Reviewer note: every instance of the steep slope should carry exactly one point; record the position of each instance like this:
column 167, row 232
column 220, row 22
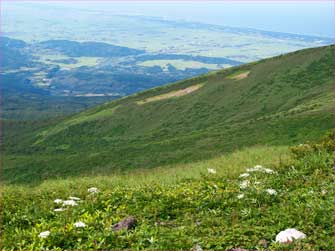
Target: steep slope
column 282, row 100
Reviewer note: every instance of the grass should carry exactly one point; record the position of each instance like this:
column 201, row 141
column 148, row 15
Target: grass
column 77, row 120
column 226, row 165
column 283, row 101
column 191, row 207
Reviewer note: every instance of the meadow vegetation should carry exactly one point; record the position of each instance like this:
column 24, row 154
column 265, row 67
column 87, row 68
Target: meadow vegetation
column 227, row 166
column 241, row 200
column 284, row 100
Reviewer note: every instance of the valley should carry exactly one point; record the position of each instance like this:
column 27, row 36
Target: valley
column 85, row 74
column 121, row 55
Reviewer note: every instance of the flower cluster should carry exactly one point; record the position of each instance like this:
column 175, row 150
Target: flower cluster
column 79, row 224
column 244, row 175
column 72, row 201
column 244, row 184
column 93, row 190
column 44, row 234
column 259, row 168
column 271, row 191
column 211, row 170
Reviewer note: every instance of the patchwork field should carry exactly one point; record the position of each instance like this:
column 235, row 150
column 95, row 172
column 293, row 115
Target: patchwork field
column 61, row 61
column 181, row 64
column 151, row 34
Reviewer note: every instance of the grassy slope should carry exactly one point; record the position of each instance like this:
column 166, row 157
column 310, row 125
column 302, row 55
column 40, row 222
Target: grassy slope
column 283, row 100
column 176, row 212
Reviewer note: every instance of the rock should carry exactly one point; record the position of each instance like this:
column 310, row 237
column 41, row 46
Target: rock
column 289, row 235
column 127, row 224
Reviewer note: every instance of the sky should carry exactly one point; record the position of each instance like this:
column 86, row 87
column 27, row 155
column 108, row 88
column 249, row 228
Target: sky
column 300, row 17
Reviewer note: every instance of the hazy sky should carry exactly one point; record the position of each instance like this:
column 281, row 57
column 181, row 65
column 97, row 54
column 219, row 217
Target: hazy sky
column 301, row 17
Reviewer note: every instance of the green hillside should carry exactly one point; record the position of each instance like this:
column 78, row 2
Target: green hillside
column 204, row 163
column 238, row 201
column 279, row 101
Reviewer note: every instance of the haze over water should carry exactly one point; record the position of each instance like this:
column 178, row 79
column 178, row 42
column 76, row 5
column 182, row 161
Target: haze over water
column 300, row 17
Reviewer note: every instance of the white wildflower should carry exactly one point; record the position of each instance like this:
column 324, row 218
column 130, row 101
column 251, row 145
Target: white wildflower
column 211, row 170
column 289, row 235
column 79, row 224
column 257, row 182
column 151, row 240
column 240, row 196
column 197, row 247
column 268, row 170
column 244, row 175
column 255, row 168
column 74, row 198
column 244, row 184
column 271, row 191
column 93, row 190
column 44, row 234
column 259, row 168
column 58, row 201
column 323, row 192
column 69, row 203
column 59, row 210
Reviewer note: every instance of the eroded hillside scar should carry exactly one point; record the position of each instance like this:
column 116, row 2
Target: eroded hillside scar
column 239, row 75
column 171, row 94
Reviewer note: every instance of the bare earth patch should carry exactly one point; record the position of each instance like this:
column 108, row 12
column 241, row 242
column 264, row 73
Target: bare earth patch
column 239, row 75
column 172, row 94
